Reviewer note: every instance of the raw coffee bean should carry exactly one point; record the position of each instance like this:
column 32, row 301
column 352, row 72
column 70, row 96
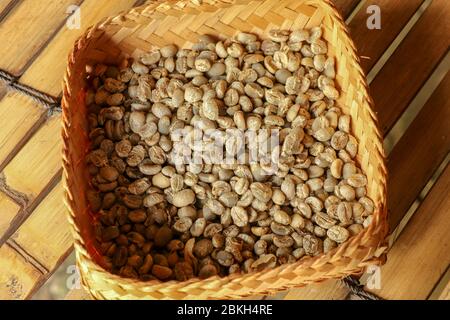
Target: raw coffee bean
column 203, row 248
column 108, row 200
column 163, row 236
column 160, row 260
column 161, row 272
column 110, row 233
column 198, row 227
column 175, row 245
column 137, row 216
column 280, row 229
column 136, row 238
column 224, row 258
column 183, row 224
column 283, row 241
column 207, row 271
column 183, row 198
column 265, row 261
column 212, row 229
column 139, row 186
column 153, row 199
column 338, row 234
column 147, row 265
column 312, row 245
column 109, row 173
column 281, row 217
column 132, row 201
column 135, row 261
column 239, row 216
column 98, row 158
column 150, row 232
column 183, row 271
column 187, row 211
column 120, row 257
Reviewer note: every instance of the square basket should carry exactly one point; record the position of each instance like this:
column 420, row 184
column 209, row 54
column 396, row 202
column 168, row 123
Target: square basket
column 181, row 22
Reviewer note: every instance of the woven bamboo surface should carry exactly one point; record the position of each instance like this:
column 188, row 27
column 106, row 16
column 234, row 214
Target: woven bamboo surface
column 35, row 235
column 182, row 22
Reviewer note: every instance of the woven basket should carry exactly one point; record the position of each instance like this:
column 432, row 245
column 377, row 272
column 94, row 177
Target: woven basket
column 181, row 22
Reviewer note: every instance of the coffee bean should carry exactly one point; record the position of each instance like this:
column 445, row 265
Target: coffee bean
column 136, row 238
column 110, row 233
column 137, row 216
column 132, row 201
column 161, row 272
column 203, row 248
column 175, row 245
column 163, row 236
column 120, row 257
column 94, row 199
column 108, row 200
column 207, row 271
column 160, row 259
column 224, row 258
column 109, row 173
column 183, row 271
column 147, row 265
column 135, row 261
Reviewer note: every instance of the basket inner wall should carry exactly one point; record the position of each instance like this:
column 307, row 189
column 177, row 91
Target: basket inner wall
column 148, row 29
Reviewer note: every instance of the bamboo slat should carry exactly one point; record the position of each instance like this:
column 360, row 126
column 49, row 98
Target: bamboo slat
column 37, row 162
column 18, row 277
column 445, row 295
column 27, row 29
column 371, row 44
column 47, row 70
column 9, row 210
column 45, row 235
column 4, row 5
column 345, row 7
column 3, row 90
column 420, row 255
column 441, row 290
column 45, row 74
column 411, row 64
column 328, row 290
column 18, row 116
column 33, row 234
column 419, row 152
column 48, row 242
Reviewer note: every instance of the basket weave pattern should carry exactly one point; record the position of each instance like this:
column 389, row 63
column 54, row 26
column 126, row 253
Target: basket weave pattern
column 181, row 22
